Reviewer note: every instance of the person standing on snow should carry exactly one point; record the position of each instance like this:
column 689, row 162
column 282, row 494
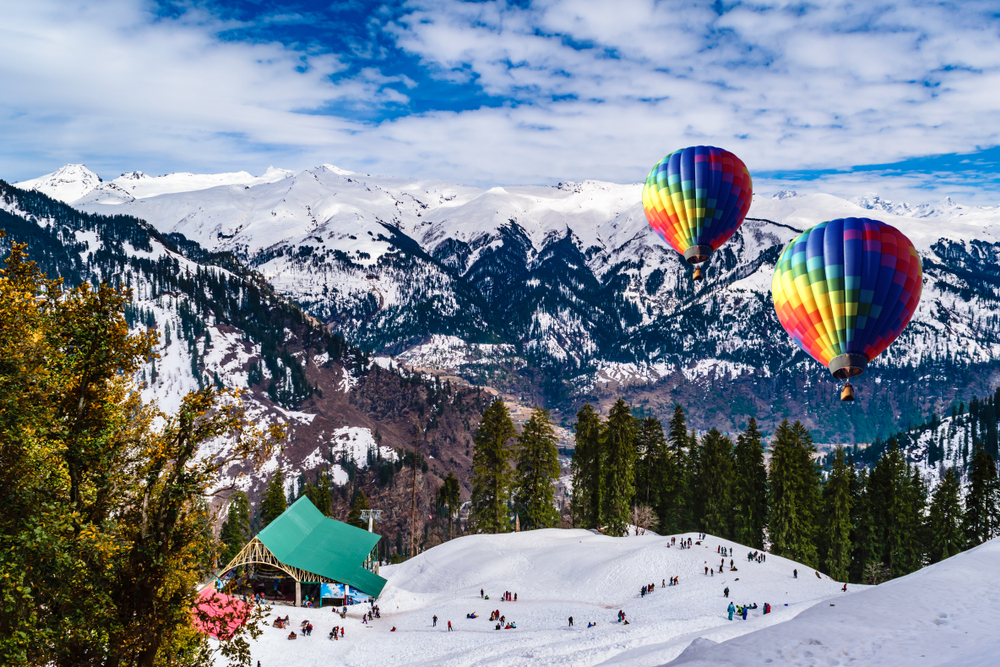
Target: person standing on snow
column 449, row 626
column 435, row 624
column 571, row 621
column 725, row 593
column 795, row 573
column 731, row 609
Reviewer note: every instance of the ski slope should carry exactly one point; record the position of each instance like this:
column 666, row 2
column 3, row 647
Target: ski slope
column 944, row 614
column 556, row 574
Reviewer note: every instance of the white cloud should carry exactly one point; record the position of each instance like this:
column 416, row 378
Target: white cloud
column 599, row 90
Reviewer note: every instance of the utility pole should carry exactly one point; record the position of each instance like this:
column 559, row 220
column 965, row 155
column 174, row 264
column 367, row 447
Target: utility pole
column 413, row 506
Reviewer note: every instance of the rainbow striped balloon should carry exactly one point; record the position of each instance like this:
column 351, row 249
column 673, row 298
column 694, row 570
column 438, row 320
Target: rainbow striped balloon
column 696, row 198
column 845, row 289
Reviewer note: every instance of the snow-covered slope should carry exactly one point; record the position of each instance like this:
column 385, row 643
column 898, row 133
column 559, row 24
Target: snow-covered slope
column 556, row 574
column 941, row 615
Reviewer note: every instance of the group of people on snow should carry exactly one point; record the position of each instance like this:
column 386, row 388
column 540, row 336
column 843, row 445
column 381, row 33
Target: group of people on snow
column 743, row 610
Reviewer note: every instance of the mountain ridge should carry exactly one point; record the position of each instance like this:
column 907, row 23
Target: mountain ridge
column 584, row 301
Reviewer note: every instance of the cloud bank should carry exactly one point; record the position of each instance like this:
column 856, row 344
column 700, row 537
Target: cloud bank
column 563, row 90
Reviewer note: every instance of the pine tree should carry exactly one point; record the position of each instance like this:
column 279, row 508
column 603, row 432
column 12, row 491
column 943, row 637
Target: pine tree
column 235, row 531
column 982, row 500
column 750, row 488
column 321, row 493
column 587, row 468
column 912, row 555
column 491, row 474
column 897, row 504
column 714, row 484
column 863, row 533
column 619, row 443
column 944, row 523
column 450, row 496
column 652, row 466
column 354, row 516
column 648, row 439
column 793, row 486
column 835, row 545
column 536, row 473
column 273, row 503
column 673, row 508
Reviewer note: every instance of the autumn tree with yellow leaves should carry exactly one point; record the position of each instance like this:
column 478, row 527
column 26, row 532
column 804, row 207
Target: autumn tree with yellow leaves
column 104, row 526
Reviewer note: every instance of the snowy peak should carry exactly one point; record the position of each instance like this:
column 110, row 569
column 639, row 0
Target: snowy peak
column 67, row 184
column 141, row 186
column 874, row 202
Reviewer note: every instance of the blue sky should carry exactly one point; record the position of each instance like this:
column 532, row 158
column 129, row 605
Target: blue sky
column 899, row 98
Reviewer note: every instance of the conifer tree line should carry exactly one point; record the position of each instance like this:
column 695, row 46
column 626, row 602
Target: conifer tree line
column 850, row 523
column 514, row 475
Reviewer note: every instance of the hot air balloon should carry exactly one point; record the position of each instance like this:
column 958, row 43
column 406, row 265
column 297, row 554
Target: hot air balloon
column 844, row 290
column 695, row 199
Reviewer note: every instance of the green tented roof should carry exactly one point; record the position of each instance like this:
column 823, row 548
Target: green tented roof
column 302, row 537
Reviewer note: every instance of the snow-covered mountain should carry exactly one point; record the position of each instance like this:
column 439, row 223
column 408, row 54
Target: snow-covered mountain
column 66, row 184
column 221, row 324
column 564, row 293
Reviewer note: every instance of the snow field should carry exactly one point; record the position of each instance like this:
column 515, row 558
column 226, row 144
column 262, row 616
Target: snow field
column 556, row 574
column 944, row 614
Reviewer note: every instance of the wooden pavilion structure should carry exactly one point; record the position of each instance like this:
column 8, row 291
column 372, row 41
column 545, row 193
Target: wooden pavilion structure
column 311, row 548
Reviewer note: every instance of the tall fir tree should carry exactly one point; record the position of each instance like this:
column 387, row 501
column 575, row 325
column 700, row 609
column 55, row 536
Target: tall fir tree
column 864, row 531
column 619, row 474
column 235, row 531
column 491, row 473
column 897, row 505
column 794, row 496
column 944, row 521
column 273, row 503
column 653, row 466
column 913, row 511
column 536, row 473
column 650, row 446
column 714, row 480
column 320, row 494
column 750, row 488
column 835, row 531
column 360, row 504
column 587, row 468
column 673, row 508
column 450, row 496
column 982, row 500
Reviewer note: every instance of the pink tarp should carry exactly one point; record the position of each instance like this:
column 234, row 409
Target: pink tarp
column 218, row 615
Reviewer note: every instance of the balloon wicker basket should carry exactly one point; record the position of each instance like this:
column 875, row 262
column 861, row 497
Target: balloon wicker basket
column 847, row 393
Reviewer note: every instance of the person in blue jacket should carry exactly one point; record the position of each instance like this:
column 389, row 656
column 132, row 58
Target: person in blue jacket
column 731, row 610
